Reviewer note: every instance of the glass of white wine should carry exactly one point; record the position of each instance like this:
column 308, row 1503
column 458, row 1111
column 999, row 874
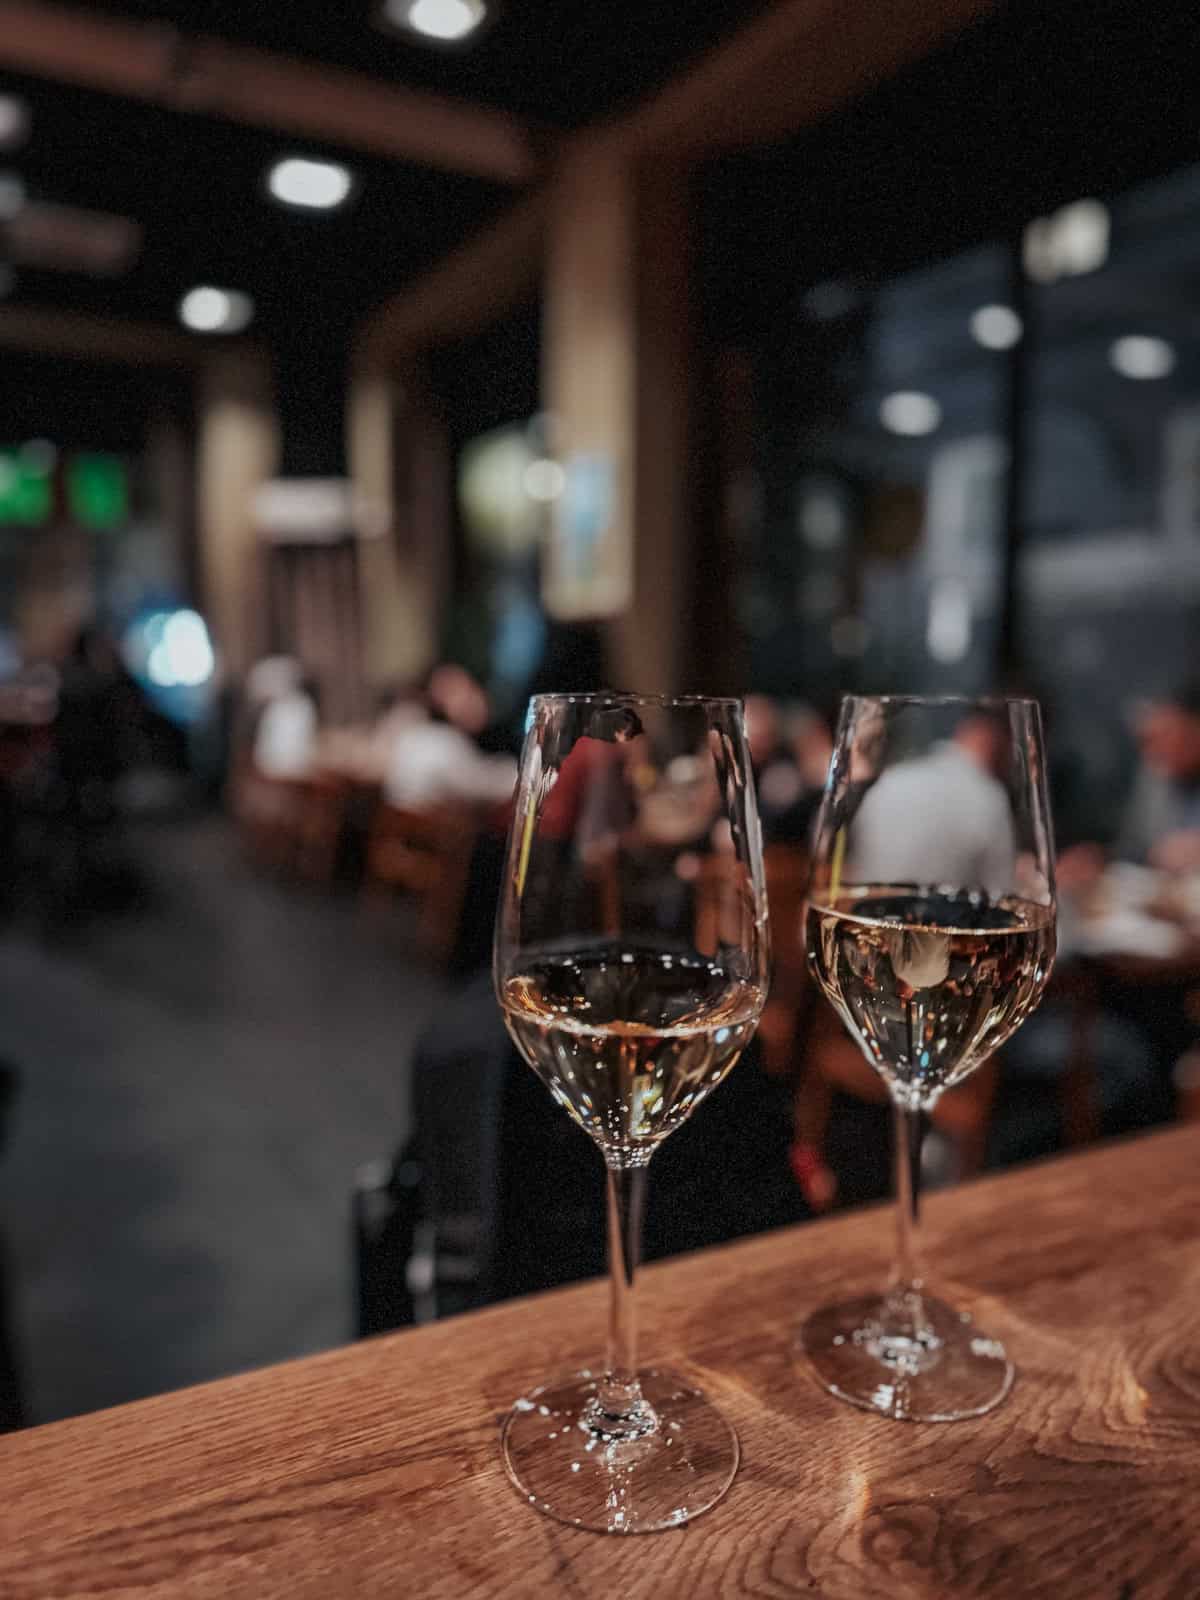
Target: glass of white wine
column 931, row 928
column 631, row 968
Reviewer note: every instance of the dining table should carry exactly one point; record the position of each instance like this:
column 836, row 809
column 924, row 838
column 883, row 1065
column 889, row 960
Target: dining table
column 375, row 1469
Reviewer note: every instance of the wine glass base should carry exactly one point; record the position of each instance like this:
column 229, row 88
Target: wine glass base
column 950, row 1372
column 560, row 1463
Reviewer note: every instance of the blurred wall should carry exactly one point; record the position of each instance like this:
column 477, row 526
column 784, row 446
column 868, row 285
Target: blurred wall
column 400, row 461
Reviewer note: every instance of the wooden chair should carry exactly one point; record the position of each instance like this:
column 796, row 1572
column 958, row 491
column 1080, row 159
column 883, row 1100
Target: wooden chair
column 319, row 825
column 291, row 825
column 786, row 872
column 832, row 1062
column 268, row 812
column 426, row 855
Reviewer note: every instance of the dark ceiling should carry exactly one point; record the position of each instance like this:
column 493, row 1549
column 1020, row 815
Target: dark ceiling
column 197, row 183
column 563, row 62
column 1024, row 111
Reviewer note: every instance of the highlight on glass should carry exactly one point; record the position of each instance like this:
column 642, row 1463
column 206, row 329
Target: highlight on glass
column 931, row 928
column 631, row 968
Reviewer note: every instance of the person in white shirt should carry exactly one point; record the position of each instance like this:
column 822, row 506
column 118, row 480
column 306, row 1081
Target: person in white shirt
column 432, row 763
column 286, row 734
column 432, row 760
column 940, row 818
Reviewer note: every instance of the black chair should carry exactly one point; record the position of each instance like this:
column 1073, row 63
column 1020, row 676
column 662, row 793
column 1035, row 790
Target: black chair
column 511, row 1192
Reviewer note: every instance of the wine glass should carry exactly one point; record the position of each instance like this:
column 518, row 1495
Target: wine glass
column 631, row 968
column 931, row 928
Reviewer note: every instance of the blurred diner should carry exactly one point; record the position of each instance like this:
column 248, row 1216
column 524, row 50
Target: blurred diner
column 431, row 756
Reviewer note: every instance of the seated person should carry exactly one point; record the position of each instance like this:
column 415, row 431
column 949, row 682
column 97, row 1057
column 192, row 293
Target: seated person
column 398, row 708
column 956, row 815
column 1161, row 824
column 286, row 733
column 1162, row 821
column 433, row 757
column 791, row 784
column 1161, row 828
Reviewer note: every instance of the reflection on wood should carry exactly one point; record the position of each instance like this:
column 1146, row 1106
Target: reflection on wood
column 375, row 1470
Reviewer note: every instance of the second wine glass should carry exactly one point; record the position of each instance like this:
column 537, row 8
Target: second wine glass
column 631, row 968
column 931, row 928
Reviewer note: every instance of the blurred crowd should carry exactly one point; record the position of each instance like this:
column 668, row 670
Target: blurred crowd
column 81, row 745
column 413, row 805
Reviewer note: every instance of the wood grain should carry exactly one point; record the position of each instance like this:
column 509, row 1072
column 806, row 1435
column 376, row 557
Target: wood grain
column 373, row 1471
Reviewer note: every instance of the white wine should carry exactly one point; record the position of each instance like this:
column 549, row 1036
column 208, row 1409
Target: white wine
column 930, row 982
column 630, row 1040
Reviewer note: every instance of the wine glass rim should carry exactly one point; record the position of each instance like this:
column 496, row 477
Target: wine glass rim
column 623, row 697
column 989, row 702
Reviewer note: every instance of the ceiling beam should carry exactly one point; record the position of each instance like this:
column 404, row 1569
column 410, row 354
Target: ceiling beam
column 66, row 333
column 782, row 73
column 195, row 73
column 474, row 284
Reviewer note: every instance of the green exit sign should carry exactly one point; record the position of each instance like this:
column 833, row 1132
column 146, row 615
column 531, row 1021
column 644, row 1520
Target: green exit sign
column 26, row 490
column 98, row 491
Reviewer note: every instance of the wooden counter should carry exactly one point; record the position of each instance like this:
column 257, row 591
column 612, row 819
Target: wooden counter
column 373, row 1470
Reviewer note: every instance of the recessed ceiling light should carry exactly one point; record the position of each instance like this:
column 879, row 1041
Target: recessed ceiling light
column 1140, row 355
column 995, row 327
column 14, row 122
column 312, row 185
column 910, row 412
column 445, row 21
column 208, row 310
column 12, row 195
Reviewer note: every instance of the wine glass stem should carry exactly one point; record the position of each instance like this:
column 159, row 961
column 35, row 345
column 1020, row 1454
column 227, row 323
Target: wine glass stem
column 621, row 1394
column 909, row 1130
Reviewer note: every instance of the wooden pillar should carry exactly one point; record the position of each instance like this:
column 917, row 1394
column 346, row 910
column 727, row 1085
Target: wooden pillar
column 616, row 381
column 588, row 385
column 237, row 451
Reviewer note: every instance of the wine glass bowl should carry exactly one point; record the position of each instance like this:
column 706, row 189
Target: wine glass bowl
column 931, row 929
column 631, row 970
